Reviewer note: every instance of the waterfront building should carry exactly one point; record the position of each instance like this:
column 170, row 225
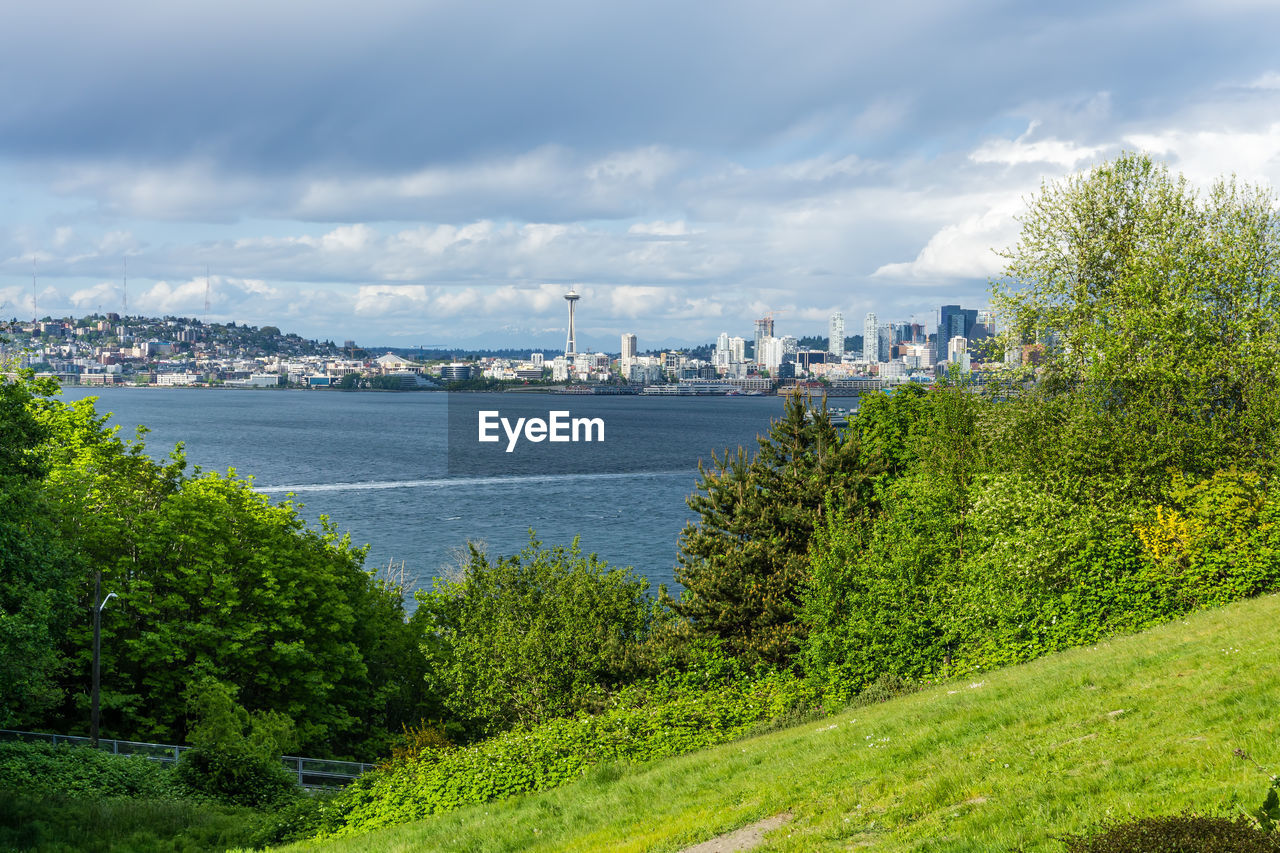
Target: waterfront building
column 456, row 372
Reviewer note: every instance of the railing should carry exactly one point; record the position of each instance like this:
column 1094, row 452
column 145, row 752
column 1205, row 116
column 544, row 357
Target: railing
column 313, row 773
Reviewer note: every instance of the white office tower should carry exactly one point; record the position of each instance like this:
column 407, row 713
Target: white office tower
column 571, row 343
column 871, row 338
column 536, row 359
column 835, row 345
column 628, row 353
column 958, row 352
column 737, row 350
column 771, row 353
column 720, row 358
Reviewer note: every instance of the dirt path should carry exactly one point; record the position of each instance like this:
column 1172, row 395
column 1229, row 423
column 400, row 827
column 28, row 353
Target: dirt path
column 746, row 838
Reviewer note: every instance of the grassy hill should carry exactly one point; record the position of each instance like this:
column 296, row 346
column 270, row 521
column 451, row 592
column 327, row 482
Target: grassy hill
column 1140, row 725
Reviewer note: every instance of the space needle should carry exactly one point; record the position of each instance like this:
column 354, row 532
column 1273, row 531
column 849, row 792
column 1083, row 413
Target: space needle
column 570, row 345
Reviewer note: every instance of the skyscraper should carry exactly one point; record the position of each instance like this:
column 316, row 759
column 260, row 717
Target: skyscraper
column 835, row 342
column 628, row 353
column 953, row 322
column 871, row 338
column 764, row 329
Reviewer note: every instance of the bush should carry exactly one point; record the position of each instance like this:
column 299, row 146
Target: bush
column 78, row 771
column 542, row 634
column 647, row 722
column 1184, row 833
column 235, row 755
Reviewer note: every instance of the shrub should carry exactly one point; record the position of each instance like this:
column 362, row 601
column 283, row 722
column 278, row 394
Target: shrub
column 1184, row 833
column 647, row 722
column 235, row 755
column 77, row 771
column 52, row 823
column 542, row 634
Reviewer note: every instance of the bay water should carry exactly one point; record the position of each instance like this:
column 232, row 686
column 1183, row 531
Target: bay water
column 379, row 466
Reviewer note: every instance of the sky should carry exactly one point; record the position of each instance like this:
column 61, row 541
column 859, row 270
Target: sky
column 441, row 173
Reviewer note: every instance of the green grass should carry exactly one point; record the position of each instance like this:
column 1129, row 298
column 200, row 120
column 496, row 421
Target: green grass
column 1012, row 760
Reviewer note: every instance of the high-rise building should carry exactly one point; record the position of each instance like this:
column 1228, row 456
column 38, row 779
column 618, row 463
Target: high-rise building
column 871, row 338
column 628, row 353
column 885, row 348
column 953, row 322
column 772, row 352
column 835, row 342
column 958, row 352
column 763, row 329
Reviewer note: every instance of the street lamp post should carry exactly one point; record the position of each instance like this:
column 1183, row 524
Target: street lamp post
column 97, row 654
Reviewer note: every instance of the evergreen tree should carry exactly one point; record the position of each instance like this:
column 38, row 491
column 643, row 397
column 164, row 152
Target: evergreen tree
column 744, row 562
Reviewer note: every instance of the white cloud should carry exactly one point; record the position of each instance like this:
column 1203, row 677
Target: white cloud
column 1269, row 80
column 659, row 228
column 1062, row 153
column 962, row 249
column 1204, row 155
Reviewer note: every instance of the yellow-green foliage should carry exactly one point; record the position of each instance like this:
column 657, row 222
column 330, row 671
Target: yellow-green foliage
column 1216, row 514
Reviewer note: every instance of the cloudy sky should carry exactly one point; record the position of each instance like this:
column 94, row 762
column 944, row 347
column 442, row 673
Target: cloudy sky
column 440, row 172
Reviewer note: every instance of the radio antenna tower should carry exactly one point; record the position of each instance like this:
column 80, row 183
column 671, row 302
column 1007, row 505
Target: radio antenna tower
column 124, row 283
column 206, row 294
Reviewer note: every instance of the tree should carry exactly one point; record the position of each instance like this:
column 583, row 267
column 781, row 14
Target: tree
column 214, row 579
column 544, row 633
column 34, row 568
column 744, row 562
column 1160, row 310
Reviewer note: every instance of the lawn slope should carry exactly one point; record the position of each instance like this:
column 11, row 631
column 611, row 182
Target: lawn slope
column 1139, row 725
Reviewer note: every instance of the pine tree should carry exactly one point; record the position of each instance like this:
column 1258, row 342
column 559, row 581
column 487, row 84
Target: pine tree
column 744, row 562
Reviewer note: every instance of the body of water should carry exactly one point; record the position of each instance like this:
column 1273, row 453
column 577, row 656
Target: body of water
column 379, row 466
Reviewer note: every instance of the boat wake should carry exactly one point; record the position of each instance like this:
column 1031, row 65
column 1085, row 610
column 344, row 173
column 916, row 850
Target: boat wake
column 456, row 482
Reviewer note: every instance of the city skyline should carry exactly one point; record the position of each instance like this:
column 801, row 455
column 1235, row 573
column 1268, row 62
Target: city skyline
column 685, row 170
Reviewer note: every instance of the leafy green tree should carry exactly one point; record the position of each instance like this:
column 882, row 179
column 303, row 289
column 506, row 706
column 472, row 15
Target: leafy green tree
column 1160, row 310
column 1120, row 483
column 744, row 562
column 34, row 568
column 216, row 580
column 541, row 634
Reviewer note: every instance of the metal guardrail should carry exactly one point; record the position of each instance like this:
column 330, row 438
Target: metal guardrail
column 312, row 772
